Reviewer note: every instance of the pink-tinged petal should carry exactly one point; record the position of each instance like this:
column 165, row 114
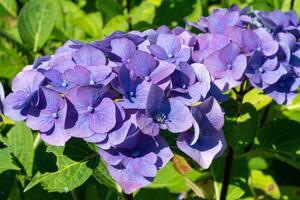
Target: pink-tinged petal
column 268, row 44
column 250, row 41
column 11, row 101
column 229, row 53
column 208, row 147
column 215, row 65
column 89, row 56
column 147, row 125
column 56, row 137
column 79, row 75
column 91, row 95
column 104, row 117
column 142, row 63
column 180, row 118
column 239, row 66
column 163, row 70
column 124, row 48
column 158, row 51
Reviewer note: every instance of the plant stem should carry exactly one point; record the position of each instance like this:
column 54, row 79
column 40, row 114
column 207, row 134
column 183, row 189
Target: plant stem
column 37, row 141
column 227, row 173
column 292, row 4
column 128, row 196
column 129, row 20
column 229, row 158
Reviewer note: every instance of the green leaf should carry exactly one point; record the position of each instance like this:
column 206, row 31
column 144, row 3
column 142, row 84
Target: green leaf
column 75, row 163
column 90, row 23
column 102, row 176
column 257, row 163
column 118, row 23
column 11, row 61
column 143, row 14
column 279, row 139
column 6, row 161
column 241, row 124
column 266, row 183
column 20, row 144
column 10, row 6
column 257, row 98
column 37, row 19
column 109, row 8
column 290, row 192
column 169, row 178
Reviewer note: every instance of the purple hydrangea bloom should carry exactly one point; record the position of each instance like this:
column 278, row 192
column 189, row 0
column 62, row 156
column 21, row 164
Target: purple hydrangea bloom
column 25, row 95
column 285, row 89
column 263, row 71
column 92, row 110
column 211, row 142
column 50, row 121
column 186, row 86
column 134, row 163
column 134, row 89
column 227, row 66
column 164, row 113
column 169, row 48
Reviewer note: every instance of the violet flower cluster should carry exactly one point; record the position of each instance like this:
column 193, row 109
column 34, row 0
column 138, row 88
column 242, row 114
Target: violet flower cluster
column 122, row 92
column 119, row 93
column 261, row 46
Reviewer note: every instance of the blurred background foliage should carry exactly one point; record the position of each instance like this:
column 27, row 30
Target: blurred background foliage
column 30, row 28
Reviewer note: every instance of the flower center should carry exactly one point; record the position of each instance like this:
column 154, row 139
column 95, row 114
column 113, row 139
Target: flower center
column 170, row 55
column 92, row 82
column 261, row 70
column 160, row 117
column 55, row 115
column 136, row 153
column 229, row 66
column 64, row 83
column 147, row 78
column 184, row 86
column 90, row 109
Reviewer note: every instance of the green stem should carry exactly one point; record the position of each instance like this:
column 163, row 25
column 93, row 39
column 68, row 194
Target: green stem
column 292, row 4
column 37, row 141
